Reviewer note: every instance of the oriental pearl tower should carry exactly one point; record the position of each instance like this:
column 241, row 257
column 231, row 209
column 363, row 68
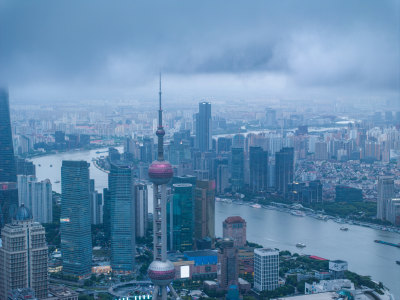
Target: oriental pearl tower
column 161, row 271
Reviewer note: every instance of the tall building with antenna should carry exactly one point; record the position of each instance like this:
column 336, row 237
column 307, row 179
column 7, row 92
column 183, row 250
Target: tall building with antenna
column 161, row 271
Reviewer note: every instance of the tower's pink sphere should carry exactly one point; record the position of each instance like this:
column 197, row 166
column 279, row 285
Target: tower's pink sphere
column 160, row 172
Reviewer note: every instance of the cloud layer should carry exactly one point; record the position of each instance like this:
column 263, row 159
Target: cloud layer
column 76, row 50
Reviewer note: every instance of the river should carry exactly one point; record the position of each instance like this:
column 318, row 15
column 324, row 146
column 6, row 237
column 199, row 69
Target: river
column 277, row 229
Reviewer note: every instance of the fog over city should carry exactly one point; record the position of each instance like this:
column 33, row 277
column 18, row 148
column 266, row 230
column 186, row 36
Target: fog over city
column 54, row 51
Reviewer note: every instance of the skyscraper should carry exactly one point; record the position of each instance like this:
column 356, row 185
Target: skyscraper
column 96, row 204
column 23, row 256
column 234, row 228
column 270, row 116
column 385, row 193
column 8, row 202
column 228, row 264
column 120, row 182
column 237, row 167
column 161, row 271
column 258, row 169
column 181, row 219
column 8, row 172
column 284, row 169
column 266, row 269
column 204, row 209
column 321, row 150
column 204, row 127
column 76, row 239
column 141, row 211
column 107, row 213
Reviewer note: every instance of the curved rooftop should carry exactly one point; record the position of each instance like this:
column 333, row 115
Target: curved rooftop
column 23, row 213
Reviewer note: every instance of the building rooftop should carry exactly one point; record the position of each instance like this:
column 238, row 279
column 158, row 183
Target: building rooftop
column 265, row 250
column 23, row 213
column 200, row 253
column 321, row 296
column 234, row 219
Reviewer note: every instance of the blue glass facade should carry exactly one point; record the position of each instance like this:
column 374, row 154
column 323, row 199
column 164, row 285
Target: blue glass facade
column 8, row 172
column 121, row 189
column 181, row 220
column 76, row 241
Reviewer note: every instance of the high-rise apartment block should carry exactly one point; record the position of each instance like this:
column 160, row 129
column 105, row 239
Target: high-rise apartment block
column 123, row 247
column 266, row 269
column 37, row 197
column 234, row 228
column 75, row 221
column 393, row 211
column 385, row 193
column 23, row 256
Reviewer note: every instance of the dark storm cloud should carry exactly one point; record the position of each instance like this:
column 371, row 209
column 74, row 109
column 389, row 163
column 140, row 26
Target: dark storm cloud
column 61, row 49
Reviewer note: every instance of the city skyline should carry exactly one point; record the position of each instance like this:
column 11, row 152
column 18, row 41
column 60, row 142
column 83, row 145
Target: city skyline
column 270, row 169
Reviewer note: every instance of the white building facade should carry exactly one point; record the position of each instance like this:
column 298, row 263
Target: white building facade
column 37, row 196
column 266, row 269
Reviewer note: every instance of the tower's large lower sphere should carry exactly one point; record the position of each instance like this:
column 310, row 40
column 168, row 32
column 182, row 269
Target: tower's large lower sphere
column 160, row 172
column 161, row 273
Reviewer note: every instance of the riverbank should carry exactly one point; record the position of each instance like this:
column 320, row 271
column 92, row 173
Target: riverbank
column 300, row 211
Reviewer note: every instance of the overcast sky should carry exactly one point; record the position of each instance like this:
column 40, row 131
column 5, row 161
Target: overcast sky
column 221, row 50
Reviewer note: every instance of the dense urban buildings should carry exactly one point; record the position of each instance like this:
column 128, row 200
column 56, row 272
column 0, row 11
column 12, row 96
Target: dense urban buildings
column 122, row 198
column 23, row 256
column 266, row 269
column 234, row 228
column 75, row 220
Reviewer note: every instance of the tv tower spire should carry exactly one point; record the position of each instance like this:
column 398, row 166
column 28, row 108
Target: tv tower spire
column 161, row 271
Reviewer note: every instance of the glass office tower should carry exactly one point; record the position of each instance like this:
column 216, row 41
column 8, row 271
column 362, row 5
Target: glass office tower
column 76, row 239
column 181, row 219
column 121, row 188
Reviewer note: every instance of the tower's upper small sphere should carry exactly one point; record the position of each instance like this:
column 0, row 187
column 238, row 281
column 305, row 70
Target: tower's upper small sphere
column 160, row 132
column 161, row 272
column 160, row 172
